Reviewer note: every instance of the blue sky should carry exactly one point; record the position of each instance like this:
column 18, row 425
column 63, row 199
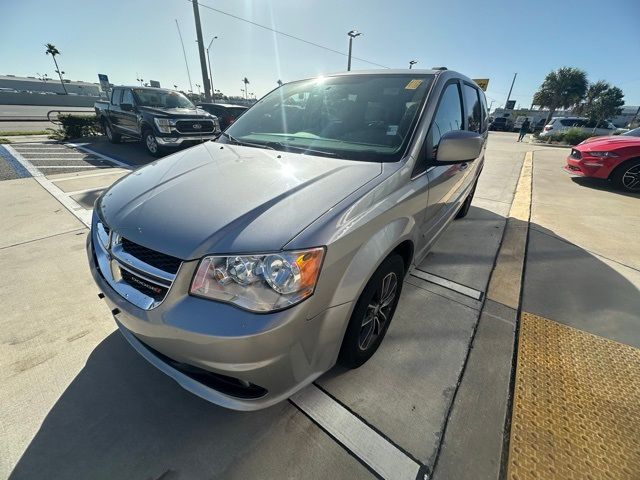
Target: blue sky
column 492, row 38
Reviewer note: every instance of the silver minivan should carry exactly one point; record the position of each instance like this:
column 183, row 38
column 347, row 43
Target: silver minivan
column 246, row 267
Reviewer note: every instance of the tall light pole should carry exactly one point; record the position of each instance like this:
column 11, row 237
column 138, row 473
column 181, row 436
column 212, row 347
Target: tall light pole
column 412, row 63
column 213, row 92
column 352, row 34
column 510, row 90
column 203, row 62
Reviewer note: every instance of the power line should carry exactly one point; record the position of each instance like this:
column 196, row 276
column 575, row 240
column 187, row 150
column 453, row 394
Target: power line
column 286, row 34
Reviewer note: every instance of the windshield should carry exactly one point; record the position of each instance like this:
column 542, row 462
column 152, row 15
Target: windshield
column 356, row 117
column 161, row 98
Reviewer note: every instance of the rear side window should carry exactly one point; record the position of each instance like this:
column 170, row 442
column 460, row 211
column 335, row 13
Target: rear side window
column 485, row 113
column 473, row 111
column 116, row 95
column 127, row 97
column 573, row 122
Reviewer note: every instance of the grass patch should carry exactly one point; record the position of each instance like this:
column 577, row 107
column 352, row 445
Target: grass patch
column 4, row 140
column 16, row 133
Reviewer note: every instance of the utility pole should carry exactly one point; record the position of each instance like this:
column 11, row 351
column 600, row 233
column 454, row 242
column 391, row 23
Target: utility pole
column 352, row 34
column 213, row 92
column 185, row 56
column 203, row 60
column 511, row 89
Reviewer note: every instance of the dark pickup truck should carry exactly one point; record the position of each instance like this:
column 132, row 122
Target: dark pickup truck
column 160, row 118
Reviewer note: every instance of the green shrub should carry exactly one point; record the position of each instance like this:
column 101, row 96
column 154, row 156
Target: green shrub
column 76, row 126
column 574, row 136
column 4, row 140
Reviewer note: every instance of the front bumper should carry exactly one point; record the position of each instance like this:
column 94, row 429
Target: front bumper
column 279, row 352
column 173, row 141
column 588, row 166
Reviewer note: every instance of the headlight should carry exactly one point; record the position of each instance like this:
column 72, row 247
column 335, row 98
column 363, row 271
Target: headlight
column 163, row 124
column 260, row 283
column 603, row 154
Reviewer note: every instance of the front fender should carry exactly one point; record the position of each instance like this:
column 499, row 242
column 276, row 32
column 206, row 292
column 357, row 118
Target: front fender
column 368, row 257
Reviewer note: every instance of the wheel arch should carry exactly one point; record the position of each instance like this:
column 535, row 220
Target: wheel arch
column 622, row 165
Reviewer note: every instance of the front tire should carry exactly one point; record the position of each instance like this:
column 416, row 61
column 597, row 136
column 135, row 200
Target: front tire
column 150, row 143
column 373, row 313
column 627, row 176
column 112, row 136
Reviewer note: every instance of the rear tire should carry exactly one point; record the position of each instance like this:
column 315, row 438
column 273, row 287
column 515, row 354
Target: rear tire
column 373, row 313
column 112, row 136
column 627, row 176
column 150, row 143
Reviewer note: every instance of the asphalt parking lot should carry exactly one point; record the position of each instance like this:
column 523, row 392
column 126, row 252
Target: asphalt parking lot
column 433, row 402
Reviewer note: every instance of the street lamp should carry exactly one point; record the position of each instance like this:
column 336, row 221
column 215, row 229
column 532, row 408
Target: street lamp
column 198, row 88
column 213, row 94
column 140, row 80
column 352, row 34
column 412, row 63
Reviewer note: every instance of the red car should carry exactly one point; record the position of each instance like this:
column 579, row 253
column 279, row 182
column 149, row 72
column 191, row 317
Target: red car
column 614, row 158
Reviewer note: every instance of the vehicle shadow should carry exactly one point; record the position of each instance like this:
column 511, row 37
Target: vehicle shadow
column 121, row 418
column 601, row 184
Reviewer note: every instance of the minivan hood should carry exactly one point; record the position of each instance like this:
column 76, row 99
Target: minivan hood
column 216, row 198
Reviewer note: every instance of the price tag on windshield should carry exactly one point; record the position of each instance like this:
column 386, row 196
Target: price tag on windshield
column 413, row 84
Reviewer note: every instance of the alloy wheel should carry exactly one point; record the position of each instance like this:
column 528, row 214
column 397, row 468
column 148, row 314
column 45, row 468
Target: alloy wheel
column 631, row 178
column 378, row 311
column 152, row 145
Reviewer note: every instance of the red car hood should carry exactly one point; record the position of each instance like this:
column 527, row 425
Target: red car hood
column 608, row 143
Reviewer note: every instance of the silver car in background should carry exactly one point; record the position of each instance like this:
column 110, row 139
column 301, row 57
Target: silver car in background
column 246, row 267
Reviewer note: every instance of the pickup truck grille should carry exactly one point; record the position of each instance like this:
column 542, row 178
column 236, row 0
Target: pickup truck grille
column 194, row 126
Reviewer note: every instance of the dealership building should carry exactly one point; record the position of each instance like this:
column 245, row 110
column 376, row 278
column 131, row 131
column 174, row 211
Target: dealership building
column 50, row 85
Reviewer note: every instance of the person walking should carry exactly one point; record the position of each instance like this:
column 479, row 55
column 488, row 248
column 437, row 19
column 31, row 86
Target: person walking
column 524, row 129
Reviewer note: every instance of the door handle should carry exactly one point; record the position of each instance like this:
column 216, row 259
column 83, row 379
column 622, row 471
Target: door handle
column 463, row 166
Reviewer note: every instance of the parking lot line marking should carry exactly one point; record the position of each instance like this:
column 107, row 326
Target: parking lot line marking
column 81, row 146
column 87, row 190
column 82, row 159
column 75, row 177
column 362, row 441
column 446, row 283
column 69, row 203
column 71, row 166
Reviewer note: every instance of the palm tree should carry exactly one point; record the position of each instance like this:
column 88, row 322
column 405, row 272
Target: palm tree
column 562, row 88
column 594, row 91
column 245, row 80
column 53, row 51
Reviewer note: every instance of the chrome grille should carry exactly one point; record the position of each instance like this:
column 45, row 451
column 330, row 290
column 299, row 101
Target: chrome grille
column 141, row 275
column 191, row 126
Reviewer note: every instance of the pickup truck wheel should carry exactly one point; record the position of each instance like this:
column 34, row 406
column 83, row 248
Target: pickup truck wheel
column 467, row 203
column 373, row 313
column 150, row 143
column 112, row 136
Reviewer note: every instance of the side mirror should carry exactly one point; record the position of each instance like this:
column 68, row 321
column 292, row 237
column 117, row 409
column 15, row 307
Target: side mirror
column 459, row 146
column 127, row 107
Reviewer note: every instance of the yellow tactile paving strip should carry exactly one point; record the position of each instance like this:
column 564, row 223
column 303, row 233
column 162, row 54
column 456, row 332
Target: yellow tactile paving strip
column 576, row 406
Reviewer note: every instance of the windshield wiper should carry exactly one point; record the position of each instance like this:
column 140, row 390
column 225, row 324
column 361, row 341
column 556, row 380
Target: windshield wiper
column 282, row 146
column 246, row 144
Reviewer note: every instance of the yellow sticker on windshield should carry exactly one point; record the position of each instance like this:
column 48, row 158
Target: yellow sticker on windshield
column 413, row 84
